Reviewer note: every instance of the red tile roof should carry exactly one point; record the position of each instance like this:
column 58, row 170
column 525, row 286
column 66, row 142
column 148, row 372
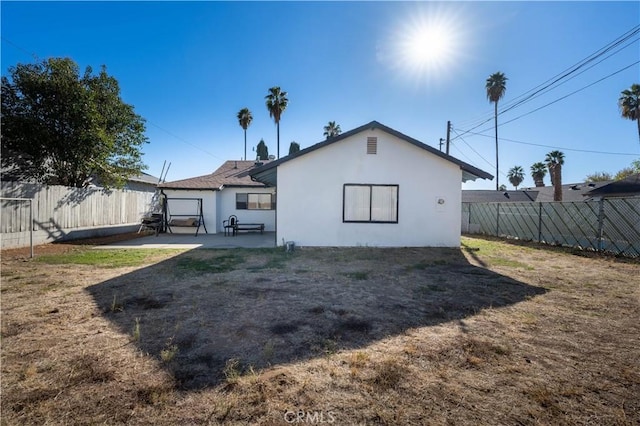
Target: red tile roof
column 231, row 173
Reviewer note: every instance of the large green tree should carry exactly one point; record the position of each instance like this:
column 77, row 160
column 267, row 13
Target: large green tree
column 496, row 85
column 244, row 119
column 516, row 176
column 262, row 150
column 276, row 102
column 538, row 172
column 294, row 147
column 628, row 171
column 61, row 127
column 598, row 177
column 629, row 104
column 555, row 160
column 332, row 130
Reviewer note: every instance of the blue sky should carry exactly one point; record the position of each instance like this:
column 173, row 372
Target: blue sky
column 189, row 67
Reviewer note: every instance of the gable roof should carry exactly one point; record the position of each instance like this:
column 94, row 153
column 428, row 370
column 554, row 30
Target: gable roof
column 267, row 173
column 231, row 173
column 625, row 187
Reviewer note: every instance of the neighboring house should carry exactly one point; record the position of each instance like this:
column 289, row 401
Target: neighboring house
column 371, row 186
column 227, row 191
column 142, row 182
column 570, row 192
column 627, row 187
column 492, row 196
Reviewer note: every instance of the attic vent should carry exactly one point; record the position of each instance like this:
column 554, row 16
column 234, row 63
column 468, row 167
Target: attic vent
column 372, row 145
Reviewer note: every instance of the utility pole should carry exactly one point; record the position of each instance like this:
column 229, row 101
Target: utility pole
column 448, row 135
column 441, row 141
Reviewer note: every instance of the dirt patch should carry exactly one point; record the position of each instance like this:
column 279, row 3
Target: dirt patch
column 492, row 333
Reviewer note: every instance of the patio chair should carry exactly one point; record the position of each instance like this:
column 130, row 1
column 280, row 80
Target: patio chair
column 230, row 225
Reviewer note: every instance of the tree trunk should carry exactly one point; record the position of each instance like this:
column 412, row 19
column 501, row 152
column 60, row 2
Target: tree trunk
column 539, row 182
column 245, row 144
column 278, row 136
column 495, row 122
column 557, row 185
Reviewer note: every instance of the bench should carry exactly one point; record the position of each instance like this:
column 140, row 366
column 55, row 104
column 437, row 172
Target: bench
column 249, row 227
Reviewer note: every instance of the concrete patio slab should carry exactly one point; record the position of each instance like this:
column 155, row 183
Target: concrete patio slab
column 202, row 241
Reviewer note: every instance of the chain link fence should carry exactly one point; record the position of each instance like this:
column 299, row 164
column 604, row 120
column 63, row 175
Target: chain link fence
column 607, row 225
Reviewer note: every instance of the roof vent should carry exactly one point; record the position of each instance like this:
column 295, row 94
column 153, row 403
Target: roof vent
column 258, row 163
column 372, row 145
column 272, row 157
column 575, row 187
column 591, row 185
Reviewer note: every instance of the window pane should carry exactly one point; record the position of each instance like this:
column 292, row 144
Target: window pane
column 259, row 201
column 241, row 201
column 356, row 203
column 384, row 203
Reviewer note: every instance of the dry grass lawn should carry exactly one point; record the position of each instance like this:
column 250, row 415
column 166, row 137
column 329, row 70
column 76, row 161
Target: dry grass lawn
column 493, row 333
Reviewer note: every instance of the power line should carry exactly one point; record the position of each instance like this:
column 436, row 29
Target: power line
column 552, row 102
column 548, row 89
column 547, row 85
column 473, row 149
column 566, row 73
column 551, row 146
column 33, row 55
column 184, row 140
column 572, row 93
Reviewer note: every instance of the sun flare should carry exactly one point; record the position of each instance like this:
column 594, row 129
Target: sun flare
column 427, row 45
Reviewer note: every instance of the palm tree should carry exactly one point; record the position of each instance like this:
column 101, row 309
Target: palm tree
column 555, row 160
column 332, row 130
column 516, row 176
column 244, row 119
column 538, row 172
column 496, row 86
column 629, row 103
column 276, row 102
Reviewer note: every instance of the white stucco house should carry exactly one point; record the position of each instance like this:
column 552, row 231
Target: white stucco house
column 371, row 186
column 227, row 191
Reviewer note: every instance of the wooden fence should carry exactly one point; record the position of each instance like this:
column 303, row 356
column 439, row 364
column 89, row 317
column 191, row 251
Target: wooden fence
column 62, row 213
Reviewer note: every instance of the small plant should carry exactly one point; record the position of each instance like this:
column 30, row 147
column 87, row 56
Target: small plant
column 268, row 350
column 115, row 306
column 231, row 370
column 330, row 346
column 358, row 359
column 388, row 374
column 136, row 331
column 359, row 275
column 168, row 354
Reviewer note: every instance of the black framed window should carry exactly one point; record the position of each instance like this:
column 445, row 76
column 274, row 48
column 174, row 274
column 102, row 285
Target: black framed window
column 370, row 203
column 254, row 201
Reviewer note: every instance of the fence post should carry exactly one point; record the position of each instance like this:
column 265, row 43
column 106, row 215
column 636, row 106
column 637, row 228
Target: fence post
column 540, row 222
column 601, row 224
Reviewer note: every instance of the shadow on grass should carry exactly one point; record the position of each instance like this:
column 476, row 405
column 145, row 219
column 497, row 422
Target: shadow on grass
column 261, row 309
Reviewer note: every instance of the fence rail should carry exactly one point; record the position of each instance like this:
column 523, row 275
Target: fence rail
column 607, row 225
column 58, row 211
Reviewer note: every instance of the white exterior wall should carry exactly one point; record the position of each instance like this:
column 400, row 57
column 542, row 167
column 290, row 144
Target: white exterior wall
column 227, row 207
column 310, row 195
column 191, row 208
